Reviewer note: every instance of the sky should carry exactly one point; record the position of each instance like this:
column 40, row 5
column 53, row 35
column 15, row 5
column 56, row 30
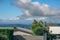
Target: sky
column 11, row 9
column 7, row 10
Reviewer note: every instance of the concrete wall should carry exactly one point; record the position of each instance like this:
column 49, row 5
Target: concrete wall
column 28, row 37
column 25, row 36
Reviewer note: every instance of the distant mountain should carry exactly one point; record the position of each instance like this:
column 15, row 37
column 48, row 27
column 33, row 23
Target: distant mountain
column 15, row 25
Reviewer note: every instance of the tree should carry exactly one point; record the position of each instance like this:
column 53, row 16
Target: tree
column 38, row 27
column 34, row 26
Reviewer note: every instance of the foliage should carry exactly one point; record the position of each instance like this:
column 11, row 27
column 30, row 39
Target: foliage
column 6, row 34
column 38, row 28
column 3, row 37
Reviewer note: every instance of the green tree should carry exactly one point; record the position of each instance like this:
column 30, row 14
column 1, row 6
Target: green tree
column 38, row 28
column 34, row 26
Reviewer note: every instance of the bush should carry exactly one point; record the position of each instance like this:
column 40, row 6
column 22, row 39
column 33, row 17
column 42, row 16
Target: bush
column 6, row 34
column 38, row 31
column 3, row 37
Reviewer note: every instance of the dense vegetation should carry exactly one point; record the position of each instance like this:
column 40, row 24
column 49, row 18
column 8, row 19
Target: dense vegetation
column 6, row 34
column 38, row 28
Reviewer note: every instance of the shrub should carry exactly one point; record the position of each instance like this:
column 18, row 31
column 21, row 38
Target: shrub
column 3, row 37
column 6, row 33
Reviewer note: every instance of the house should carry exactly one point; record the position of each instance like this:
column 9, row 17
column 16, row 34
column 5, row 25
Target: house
column 55, row 31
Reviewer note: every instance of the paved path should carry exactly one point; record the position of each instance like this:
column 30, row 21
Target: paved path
column 23, row 35
column 28, row 37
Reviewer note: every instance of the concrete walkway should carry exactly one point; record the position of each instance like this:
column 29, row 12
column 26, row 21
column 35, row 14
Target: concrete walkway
column 25, row 36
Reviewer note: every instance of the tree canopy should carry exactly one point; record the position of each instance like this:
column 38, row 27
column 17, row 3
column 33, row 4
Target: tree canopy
column 38, row 28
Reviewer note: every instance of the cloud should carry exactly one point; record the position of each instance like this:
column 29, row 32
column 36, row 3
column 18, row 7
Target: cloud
column 30, row 8
column 56, row 12
column 36, row 18
column 13, row 18
column 10, row 19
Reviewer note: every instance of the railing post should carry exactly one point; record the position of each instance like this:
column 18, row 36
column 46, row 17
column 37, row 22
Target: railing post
column 45, row 36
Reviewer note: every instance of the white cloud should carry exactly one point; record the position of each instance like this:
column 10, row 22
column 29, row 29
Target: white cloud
column 24, row 1
column 30, row 8
column 56, row 12
column 13, row 18
column 36, row 18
